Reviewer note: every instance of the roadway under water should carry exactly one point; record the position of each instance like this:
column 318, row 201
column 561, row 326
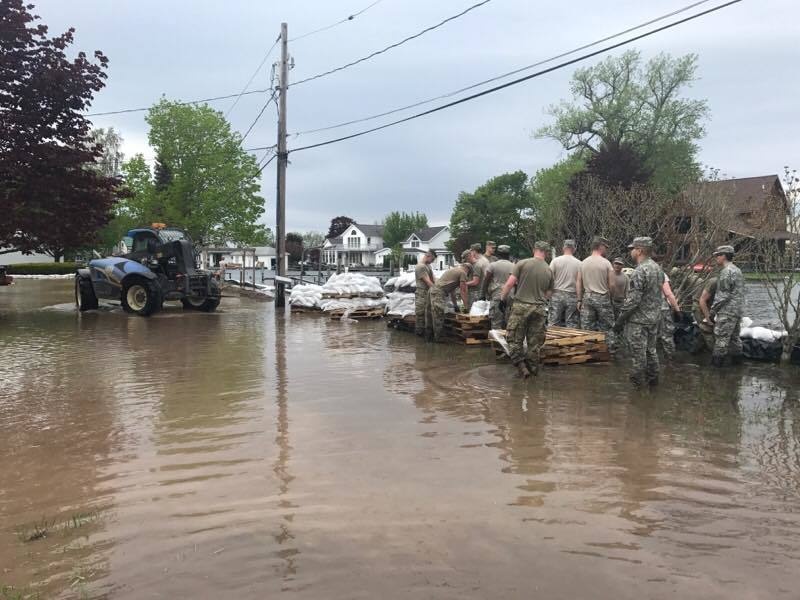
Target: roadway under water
column 241, row 454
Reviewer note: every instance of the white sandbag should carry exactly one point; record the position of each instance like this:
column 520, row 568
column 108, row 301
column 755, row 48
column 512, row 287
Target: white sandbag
column 350, row 304
column 762, row 334
column 479, row 308
column 747, row 322
column 400, row 304
column 352, row 283
column 308, row 295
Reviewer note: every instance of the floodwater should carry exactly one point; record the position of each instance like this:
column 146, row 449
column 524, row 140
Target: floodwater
column 243, row 454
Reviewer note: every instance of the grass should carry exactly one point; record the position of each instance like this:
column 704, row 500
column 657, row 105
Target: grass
column 46, row 527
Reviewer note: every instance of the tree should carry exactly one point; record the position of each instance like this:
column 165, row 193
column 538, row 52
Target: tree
column 778, row 262
column 312, row 241
column 398, row 226
column 294, row 247
column 51, row 197
column 549, row 191
column 204, row 181
column 109, row 163
column 502, row 209
column 338, row 226
column 621, row 103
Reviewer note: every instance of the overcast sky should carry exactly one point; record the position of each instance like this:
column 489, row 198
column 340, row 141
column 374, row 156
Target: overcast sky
column 189, row 49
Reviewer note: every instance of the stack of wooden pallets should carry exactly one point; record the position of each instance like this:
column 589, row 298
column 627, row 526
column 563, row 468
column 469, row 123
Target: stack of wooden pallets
column 358, row 314
column 467, row 329
column 566, row 346
column 307, row 310
column 343, row 296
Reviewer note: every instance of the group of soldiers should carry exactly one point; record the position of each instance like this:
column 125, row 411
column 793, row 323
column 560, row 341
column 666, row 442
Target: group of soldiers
column 636, row 311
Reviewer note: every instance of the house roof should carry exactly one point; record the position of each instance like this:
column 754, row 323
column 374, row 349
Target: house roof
column 745, row 194
column 428, row 233
column 370, row 230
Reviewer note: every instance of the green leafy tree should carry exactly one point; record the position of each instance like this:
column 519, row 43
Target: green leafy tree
column 338, row 226
column 294, row 246
column 204, row 181
column 550, row 189
column 623, row 103
column 501, row 209
column 397, row 227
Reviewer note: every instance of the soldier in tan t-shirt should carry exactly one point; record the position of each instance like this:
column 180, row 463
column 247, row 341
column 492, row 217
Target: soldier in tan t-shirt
column 423, row 274
column 595, row 280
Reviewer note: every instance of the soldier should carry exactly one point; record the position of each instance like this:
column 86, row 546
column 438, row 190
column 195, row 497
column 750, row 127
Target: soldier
column 666, row 329
column 496, row 276
column 593, row 289
column 475, row 285
column 528, row 320
column 727, row 310
column 564, row 305
column 451, row 280
column 641, row 313
column 619, row 285
column 491, row 247
column 424, row 277
column 701, row 310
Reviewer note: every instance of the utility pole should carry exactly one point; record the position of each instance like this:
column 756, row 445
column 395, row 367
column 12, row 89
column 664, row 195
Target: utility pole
column 283, row 158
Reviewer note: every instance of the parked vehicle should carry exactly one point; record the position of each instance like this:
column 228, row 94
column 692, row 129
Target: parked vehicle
column 152, row 265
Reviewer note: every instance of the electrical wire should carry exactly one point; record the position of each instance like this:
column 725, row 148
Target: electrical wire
column 261, row 112
column 253, row 76
column 522, row 79
column 202, row 100
column 504, row 75
column 337, row 23
column 391, row 46
column 266, row 164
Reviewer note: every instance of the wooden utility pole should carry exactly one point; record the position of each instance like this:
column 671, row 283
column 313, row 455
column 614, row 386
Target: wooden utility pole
column 280, row 205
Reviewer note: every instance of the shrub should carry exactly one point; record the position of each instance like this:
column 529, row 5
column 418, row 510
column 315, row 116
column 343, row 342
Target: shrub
column 53, row 268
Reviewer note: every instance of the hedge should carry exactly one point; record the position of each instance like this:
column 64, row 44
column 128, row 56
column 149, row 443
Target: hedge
column 49, row 268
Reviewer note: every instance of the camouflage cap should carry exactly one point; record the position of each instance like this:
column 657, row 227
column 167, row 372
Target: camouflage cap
column 618, row 261
column 641, row 242
column 543, row 246
column 504, row 249
column 491, row 243
column 724, row 250
column 569, row 244
column 476, row 247
column 465, row 255
column 599, row 239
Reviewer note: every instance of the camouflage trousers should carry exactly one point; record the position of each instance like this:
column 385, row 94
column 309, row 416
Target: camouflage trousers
column 666, row 333
column 641, row 343
column 726, row 336
column 616, row 304
column 436, row 306
column 707, row 342
column 422, row 321
column 564, row 309
column 597, row 314
column 527, row 322
column 499, row 317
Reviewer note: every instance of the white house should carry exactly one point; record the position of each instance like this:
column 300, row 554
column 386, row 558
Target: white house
column 356, row 246
column 431, row 238
column 265, row 256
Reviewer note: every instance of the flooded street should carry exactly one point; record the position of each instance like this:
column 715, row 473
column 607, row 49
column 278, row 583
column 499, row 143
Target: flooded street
column 242, row 453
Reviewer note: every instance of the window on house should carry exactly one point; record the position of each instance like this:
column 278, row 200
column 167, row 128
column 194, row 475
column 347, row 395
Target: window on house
column 415, row 243
column 354, row 241
column 683, row 224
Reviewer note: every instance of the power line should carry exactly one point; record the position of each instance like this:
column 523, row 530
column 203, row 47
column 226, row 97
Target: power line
column 202, row 100
column 504, row 75
column 522, row 79
column 391, row 46
column 266, row 164
column 337, row 23
column 253, row 76
column 258, row 116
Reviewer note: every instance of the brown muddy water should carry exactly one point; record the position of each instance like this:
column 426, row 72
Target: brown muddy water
column 242, row 454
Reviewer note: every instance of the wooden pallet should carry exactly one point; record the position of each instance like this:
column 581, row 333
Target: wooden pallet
column 305, row 310
column 467, row 329
column 565, row 346
column 361, row 313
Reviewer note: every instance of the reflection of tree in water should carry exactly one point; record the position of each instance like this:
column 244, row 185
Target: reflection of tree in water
column 284, row 534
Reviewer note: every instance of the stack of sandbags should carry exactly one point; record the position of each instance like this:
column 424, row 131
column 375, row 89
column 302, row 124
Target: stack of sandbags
column 306, row 295
column 352, row 284
column 351, row 304
column 400, row 304
column 479, row 308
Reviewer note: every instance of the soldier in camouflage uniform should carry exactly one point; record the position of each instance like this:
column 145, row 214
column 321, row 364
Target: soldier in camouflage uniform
column 666, row 329
column 641, row 313
column 564, row 303
column 593, row 288
column 452, row 280
column 479, row 266
column 528, row 320
column 727, row 310
column 423, row 274
column 494, row 280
